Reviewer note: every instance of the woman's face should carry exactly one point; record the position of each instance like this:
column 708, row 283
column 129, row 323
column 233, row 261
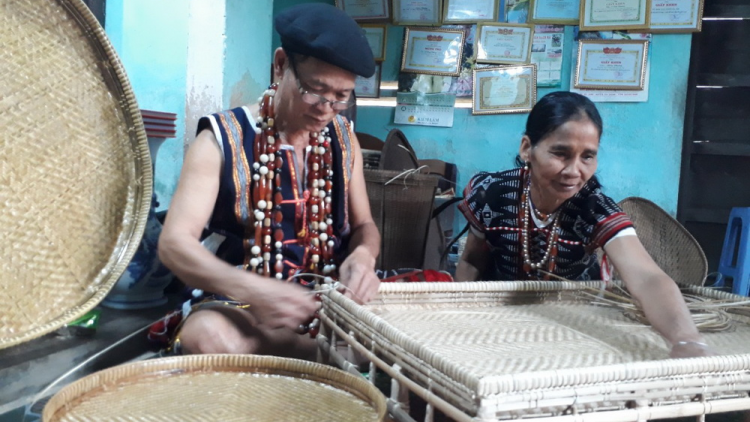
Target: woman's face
column 561, row 162
column 315, row 77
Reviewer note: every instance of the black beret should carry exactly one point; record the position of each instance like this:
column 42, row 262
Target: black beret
column 327, row 33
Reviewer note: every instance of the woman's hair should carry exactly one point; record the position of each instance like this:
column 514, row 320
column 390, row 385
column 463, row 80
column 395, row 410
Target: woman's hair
column 554, row 110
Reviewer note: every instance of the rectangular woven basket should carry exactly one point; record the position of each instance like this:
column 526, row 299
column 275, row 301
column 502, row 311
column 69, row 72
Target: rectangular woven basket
column 504, row 350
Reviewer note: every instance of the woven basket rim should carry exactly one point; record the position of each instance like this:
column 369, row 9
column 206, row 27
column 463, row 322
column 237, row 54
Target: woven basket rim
column 223, row 363
column 649, row 207
column 96, row 39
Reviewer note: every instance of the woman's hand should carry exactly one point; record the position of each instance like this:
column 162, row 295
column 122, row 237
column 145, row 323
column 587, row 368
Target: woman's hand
column 690, row 349
column 357, row 273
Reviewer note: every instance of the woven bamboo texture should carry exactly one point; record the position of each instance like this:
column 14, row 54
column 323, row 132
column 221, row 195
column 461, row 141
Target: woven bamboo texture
column 673, row 248
column 218, row 388
column 502, row 350
column 75, row 172
column 402, row 209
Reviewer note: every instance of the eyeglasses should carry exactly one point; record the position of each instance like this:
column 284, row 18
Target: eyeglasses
column 315, row 99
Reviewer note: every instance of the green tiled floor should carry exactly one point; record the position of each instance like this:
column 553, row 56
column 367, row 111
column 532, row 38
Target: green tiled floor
column 14, row 416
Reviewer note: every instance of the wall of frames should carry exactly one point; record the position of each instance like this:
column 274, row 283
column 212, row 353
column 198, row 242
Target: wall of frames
column 497, row 52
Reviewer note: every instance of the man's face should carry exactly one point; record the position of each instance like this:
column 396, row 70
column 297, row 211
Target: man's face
column 320, row 92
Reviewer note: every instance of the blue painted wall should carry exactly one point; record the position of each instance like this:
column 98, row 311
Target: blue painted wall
column 151, row 39
column 641, row 146
column 640, row 150
column 247, row 58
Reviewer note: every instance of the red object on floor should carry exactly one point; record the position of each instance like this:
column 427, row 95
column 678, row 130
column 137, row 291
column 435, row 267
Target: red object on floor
column 420, row 275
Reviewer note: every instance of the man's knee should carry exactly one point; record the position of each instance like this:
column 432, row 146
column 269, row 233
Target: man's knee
column 208, row 331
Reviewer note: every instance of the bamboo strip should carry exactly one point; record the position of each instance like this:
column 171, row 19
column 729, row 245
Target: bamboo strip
column 426, row 395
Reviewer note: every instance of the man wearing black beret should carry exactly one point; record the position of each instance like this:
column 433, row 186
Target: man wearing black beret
column 282, row 183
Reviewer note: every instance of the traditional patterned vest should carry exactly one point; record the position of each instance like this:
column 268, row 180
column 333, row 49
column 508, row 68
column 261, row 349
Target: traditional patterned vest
column 233, row 211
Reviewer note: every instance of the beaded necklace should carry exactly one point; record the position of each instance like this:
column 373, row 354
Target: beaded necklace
column 317, row 218
column 551, row 252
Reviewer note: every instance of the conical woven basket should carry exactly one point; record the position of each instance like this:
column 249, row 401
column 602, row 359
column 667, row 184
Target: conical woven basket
column 75, row 172
column 218, row 388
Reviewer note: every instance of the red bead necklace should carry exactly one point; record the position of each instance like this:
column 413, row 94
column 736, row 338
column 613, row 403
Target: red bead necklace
column 317, row 230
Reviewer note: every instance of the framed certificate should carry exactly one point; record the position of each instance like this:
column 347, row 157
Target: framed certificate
column 504, row 89
column 368, row 87
column 676, row 15
column 611, row 64
column 561, row 12
column 433, row 51
column 417, row 12
column 365, row 10
column 376, row 36
column 504, row 43
column 470, row 11
column 607, row 15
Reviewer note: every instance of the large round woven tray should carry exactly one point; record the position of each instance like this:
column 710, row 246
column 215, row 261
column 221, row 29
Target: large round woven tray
column 75, row 173
column 218, row 388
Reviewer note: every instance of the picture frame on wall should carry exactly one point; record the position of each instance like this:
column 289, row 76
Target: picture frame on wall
column 470, row 11
column 608, row 15
column 504, row 43
column 366, row 10
column 611, row 64
column 369, row 87
column 376, row 35
column 435, row 51
column 504, row 89
column 558, row 12
column 676, row 16
column 417, row 12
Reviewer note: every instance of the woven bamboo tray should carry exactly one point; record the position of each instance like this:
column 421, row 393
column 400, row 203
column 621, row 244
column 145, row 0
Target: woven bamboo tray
column 75, row 172
column 501, row 350
column 218, row 388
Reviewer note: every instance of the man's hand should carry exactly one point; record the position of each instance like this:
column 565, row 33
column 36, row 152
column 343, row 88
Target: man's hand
column 358, row 275
column 282, row 305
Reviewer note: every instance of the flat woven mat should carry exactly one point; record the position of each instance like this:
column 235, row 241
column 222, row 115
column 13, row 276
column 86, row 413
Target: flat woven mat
column 75, row 173
column 218, row 388
column 537, row 342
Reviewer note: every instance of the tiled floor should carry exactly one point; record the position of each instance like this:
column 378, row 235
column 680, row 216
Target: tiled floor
column 26, row 370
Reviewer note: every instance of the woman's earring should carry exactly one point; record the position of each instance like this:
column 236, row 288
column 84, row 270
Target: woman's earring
column 525, row 166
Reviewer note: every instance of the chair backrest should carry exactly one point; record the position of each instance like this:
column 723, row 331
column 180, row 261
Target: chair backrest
column 367, row 141
column 402, row 209
column 397, row 153
column 673, row 248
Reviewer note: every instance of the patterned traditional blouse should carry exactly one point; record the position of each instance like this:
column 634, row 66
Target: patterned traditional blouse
column 587, row 221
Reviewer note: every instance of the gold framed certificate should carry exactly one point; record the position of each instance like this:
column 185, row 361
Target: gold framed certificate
column 417, row 12
column 470, row 11
column 611, row 64
column 376, row 36
column 504, row 43
column 504, row 89
column 368, row 87
column 607, row 15
column 432, row 51
column 365, row 10
column 560, row 12
column 676, row 16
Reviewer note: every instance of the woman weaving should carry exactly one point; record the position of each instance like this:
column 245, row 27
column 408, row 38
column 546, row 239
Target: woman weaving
column 547, row 217
column 283, row 181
